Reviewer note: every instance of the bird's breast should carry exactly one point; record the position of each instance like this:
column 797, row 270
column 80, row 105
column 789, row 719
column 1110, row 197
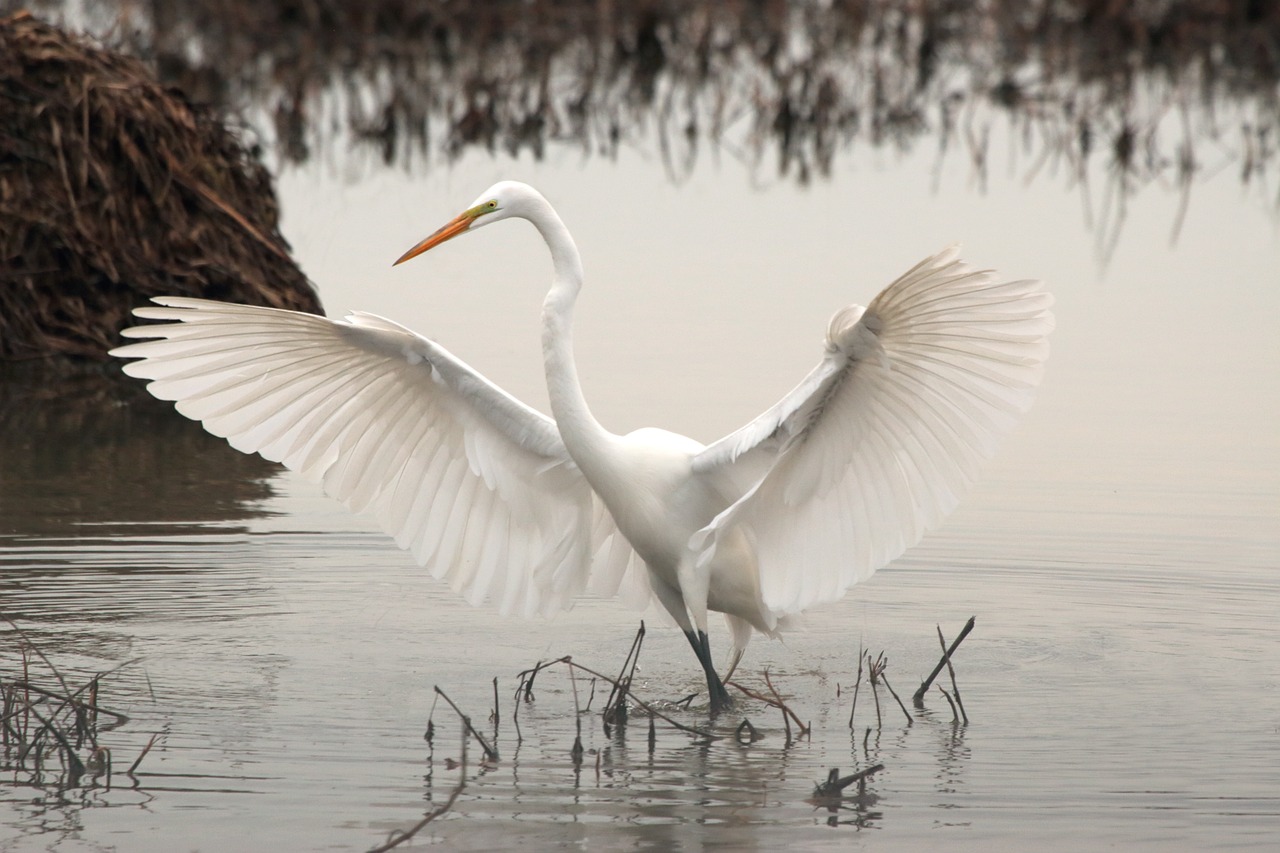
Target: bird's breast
column 655, row 498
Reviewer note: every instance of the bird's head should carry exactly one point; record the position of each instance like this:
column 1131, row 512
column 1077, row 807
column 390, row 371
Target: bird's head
column 503, row 200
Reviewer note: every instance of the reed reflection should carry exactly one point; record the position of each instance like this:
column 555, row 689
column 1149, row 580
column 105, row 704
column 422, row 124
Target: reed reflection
column 1143, row 88
column 88, row 453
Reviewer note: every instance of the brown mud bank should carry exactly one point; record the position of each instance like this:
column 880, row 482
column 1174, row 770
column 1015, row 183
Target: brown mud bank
column 115, row 188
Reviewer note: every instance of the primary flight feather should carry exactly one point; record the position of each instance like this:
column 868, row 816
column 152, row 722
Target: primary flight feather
column 838, row 478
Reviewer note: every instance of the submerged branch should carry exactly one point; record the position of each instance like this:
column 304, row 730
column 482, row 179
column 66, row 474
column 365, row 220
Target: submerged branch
column 400, row 836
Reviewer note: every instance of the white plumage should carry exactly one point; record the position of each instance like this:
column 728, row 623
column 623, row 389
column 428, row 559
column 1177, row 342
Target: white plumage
column 848, row 470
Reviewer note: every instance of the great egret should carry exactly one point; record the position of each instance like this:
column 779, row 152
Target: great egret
column 839, row 477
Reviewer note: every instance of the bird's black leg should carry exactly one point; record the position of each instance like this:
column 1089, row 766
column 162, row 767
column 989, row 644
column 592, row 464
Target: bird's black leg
column 701, row 644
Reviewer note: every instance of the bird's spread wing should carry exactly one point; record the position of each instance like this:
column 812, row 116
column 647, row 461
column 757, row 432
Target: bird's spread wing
column 478, row 485
column 878, row 442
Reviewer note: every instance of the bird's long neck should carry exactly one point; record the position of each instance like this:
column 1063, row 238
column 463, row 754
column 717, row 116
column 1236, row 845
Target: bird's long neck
column 586, row 440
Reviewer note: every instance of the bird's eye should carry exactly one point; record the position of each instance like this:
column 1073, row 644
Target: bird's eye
column 492, row 205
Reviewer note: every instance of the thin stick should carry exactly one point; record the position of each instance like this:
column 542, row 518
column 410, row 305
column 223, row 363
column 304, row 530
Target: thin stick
column 857, row 682
column 490, row 752
column 26, row 693
column 785, row 720
column 430, row 734
column 955, row 718
column 955, row 688
column 142, row 755
column 894, row 694
column 577, row 751
column 615, row 710
column 29, row 644
column 918, row 698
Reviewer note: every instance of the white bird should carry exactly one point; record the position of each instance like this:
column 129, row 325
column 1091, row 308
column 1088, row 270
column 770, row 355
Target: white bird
column 841, row 476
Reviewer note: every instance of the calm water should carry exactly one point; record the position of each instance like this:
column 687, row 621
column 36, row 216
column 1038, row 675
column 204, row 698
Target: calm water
column 1122, row 556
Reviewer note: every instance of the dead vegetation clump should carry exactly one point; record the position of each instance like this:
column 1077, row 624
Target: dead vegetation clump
column 114, row 189
column 50, row 731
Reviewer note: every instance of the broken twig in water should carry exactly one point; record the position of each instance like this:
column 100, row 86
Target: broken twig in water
column 489, row 752
column 525, row 679
column 142, row 755
column 524, row 685
column 833, row 788
column 918, row 698
column 894, row 694
column 752, row 734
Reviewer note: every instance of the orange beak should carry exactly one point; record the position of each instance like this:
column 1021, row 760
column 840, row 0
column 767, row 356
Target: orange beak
column 458, row 225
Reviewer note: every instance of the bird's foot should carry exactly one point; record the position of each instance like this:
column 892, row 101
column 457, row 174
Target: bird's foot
column 720, row 699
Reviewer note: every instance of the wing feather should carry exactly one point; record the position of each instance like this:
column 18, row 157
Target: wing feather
column 878, row 443
column 476, row 484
